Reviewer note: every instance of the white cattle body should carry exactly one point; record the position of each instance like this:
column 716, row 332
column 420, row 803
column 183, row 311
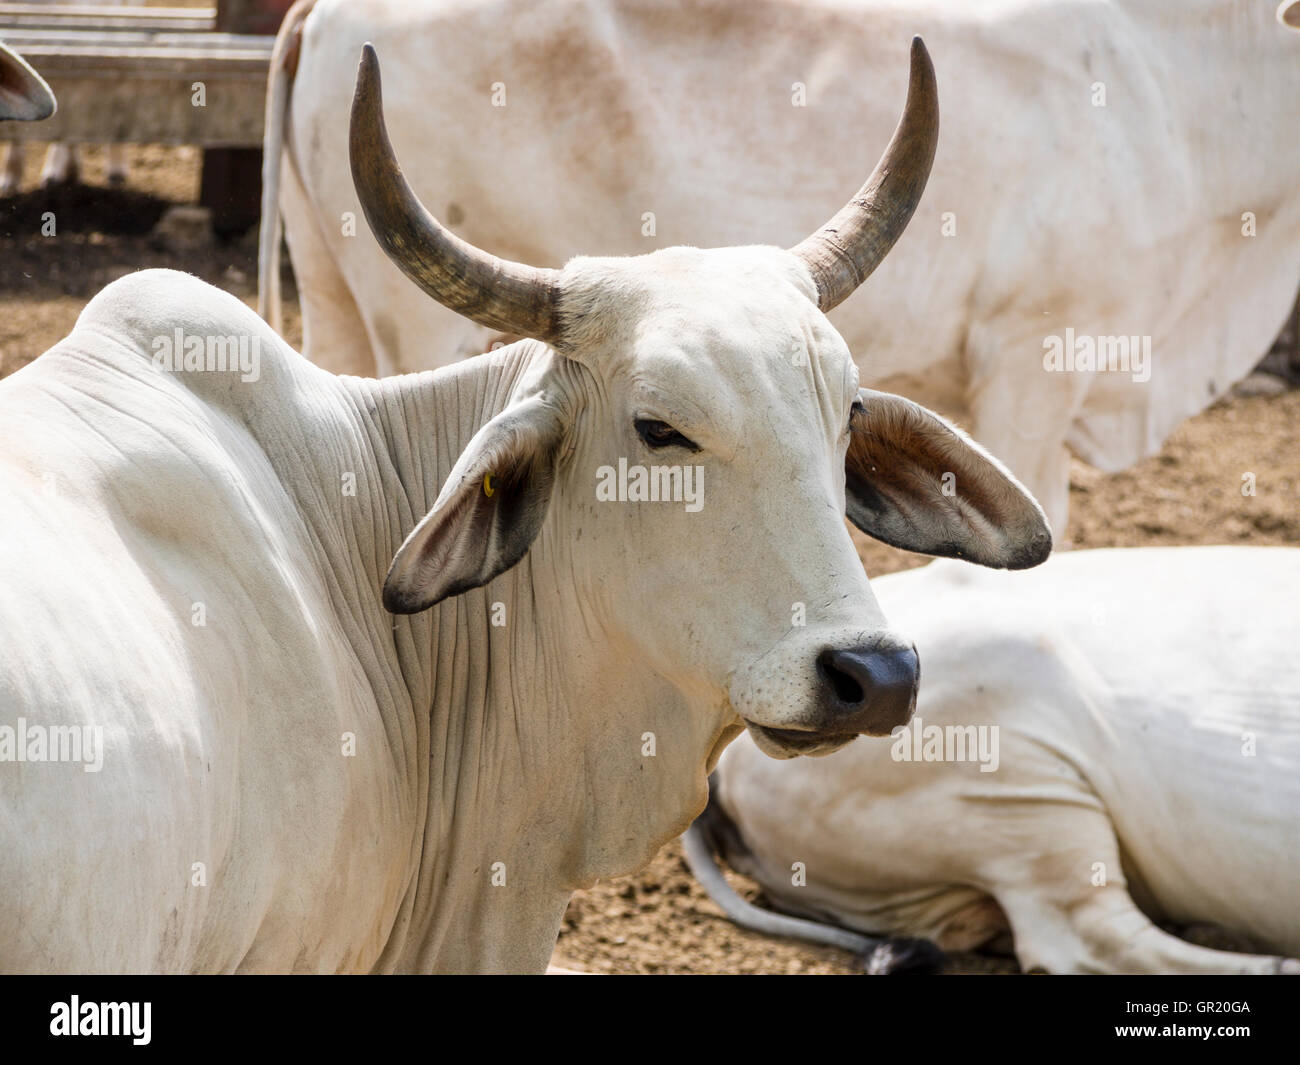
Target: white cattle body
column 1125, row 171
column 223, row 749
column 1146, row 704
column 218, row 750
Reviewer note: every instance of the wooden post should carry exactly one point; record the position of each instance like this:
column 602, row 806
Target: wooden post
column 231, row 184
column 251, row 16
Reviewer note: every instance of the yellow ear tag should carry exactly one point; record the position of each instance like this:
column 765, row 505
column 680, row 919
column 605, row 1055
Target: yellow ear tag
column 487, row 485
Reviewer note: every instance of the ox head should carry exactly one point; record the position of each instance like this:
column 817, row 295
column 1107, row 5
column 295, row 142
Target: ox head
column 24, row 96
column 719, row 367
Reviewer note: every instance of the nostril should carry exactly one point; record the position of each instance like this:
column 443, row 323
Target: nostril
column 869, row 689
column 847, row 689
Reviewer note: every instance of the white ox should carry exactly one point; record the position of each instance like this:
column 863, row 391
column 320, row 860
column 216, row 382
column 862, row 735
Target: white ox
column 289, row 777
column 1098, row 166
column 1145, row 705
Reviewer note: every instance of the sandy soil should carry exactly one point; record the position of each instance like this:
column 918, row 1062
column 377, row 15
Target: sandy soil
column 658, row 921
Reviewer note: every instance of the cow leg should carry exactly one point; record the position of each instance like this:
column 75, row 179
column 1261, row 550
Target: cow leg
column 1071, row 912
column 11, row 174
column 1024, row 418
column 116, row 167
column 1040, row 461
column 60, row 164
column 333, row 333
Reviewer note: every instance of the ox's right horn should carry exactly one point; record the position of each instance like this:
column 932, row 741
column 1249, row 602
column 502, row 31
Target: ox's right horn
column 502, row 295
column 846, row 249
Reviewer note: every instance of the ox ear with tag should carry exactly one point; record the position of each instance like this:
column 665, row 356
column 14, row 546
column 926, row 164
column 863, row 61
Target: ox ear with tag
column 915, row 481
column 488, row 513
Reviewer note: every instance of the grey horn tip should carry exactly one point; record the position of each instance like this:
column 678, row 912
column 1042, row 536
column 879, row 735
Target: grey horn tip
column 368, row 66
column 506, row 296
column 367, row 73
column 922, row 66
column 845, row 251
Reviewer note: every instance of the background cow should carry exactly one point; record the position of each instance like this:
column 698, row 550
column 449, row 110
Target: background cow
column 1143, row 765
column 1110, row 172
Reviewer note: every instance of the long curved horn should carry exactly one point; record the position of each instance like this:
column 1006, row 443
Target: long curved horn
column 500, row 294
column 846, row 249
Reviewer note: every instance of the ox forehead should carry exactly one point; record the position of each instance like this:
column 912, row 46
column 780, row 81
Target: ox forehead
column 715, row 334
column 714, row 356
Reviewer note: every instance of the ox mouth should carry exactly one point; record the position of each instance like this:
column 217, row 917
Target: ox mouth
column 793, row 743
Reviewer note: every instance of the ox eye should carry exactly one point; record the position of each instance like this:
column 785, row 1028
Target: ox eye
column 657, row 434
column 858, row 408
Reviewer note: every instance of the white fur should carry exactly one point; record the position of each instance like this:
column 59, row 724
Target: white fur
column 559, row 720
column 1148, row 708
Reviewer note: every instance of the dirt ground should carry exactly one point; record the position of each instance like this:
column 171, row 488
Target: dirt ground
column 658, row 921
column 101, row 234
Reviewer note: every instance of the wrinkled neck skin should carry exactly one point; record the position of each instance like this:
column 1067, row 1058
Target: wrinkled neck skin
column 519, row 744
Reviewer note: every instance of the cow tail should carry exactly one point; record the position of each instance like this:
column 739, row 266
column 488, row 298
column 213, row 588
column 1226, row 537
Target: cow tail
column 284, row 65
column 704, row 841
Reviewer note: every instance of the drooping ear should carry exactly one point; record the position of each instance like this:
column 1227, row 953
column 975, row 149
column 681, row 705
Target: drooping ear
column 488, row 512
column 24, row 96
column 917, row 482
column 1288, row 13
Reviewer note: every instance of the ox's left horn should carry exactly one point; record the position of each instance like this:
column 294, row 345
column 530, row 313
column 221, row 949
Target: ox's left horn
column 500, row 294
column 846, row 249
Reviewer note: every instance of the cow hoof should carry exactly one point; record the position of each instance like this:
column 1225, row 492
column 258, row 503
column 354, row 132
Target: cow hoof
column 904, row 957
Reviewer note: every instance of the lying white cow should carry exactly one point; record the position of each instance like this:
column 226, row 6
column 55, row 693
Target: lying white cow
column 285, row 776
column 1118, row 182
column 1129, row 722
